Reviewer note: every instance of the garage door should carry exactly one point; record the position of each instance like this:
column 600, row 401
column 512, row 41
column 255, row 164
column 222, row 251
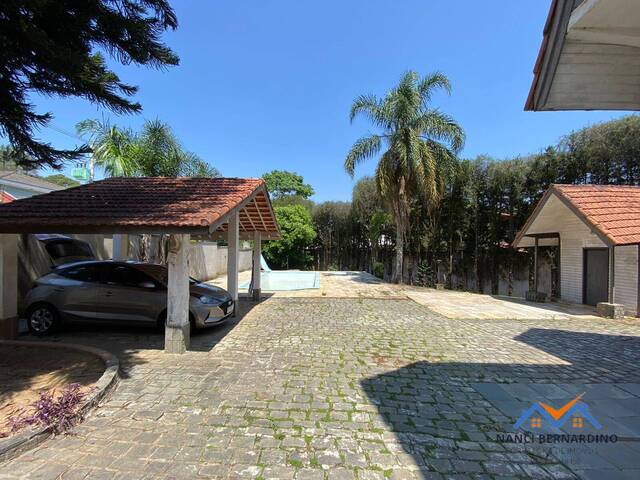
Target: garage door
column 596, row 275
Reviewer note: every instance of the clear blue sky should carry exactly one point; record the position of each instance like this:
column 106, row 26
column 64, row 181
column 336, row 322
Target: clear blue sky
column 268, row 84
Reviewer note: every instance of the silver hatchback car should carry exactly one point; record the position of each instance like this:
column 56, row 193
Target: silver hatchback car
column 132, row 293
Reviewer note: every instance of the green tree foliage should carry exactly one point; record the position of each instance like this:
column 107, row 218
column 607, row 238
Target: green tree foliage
column 154, row 152
column 419, row 143
column 287, row 185
column 606, row 153
column 465, row 242
column 373, row 221
column 337, row 234
column 62, row 180
column 298, row 233
column 10, row 158
column 53, row 47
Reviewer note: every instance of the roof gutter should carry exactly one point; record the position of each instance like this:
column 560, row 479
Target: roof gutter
column 544, row 71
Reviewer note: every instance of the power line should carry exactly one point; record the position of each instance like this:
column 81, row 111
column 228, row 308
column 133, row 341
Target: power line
column 64, row 132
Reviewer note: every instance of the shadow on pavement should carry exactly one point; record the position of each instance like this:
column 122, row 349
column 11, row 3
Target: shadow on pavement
column 135, row 346
column 449, row 416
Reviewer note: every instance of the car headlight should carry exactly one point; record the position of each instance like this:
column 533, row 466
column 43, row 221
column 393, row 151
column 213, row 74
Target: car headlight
column 209, row 300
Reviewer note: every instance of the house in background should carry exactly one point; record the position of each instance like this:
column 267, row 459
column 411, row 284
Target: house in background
column 15, row 185
column 597, row 231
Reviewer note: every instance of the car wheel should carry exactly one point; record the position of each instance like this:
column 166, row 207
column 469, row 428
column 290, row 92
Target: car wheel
column 42, row 319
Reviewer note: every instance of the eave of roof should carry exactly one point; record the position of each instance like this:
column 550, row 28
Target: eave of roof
column 27, row 182
column 608, row 230
column 555, row 29
column 146, row 205
column 587, row 59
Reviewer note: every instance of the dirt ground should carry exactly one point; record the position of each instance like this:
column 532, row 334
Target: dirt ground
column 26, row 371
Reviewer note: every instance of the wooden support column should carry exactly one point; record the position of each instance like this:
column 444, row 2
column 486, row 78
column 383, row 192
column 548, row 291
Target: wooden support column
column 233, row 255
column 256, row 272
column 8, row 286
column 535, row 265
column 177, row 330
column 120, row 246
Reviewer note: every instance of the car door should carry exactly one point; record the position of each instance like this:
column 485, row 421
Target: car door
column 128, row 295
column 76, row 291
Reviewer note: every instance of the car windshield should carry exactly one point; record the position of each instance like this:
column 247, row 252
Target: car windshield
column 160, row 273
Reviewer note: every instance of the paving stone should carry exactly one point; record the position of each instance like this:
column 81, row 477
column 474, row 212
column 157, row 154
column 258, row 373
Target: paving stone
column 332, row 388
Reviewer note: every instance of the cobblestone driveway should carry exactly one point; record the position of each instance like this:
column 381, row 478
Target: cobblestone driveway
column 333, row 388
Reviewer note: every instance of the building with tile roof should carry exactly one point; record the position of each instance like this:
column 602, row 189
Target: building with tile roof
column 14, row 185
column 597, row 231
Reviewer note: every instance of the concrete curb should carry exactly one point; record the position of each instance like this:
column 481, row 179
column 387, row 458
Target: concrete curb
column 17, row 444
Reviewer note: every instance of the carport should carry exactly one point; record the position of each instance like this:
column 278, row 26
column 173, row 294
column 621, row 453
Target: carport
column 212, row 208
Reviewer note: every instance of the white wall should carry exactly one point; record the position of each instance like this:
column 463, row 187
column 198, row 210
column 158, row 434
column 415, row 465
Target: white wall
column 207, row 260
column 626, row 278
column 575, row 235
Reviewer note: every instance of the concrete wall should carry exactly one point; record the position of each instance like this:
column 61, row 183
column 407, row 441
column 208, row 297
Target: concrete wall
column 626, row 278
column 207, row 260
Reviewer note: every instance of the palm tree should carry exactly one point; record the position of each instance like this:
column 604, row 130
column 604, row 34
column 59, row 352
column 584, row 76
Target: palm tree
column 111, row 148
column 154, row 152
column 420, row 145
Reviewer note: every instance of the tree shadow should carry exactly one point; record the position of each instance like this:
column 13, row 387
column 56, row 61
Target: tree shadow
column 446, row 414
column 355, row 276
column 134, row 346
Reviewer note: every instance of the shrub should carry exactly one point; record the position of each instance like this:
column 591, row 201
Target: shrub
column 58, row 413
column 378, row 269
column 426, row 275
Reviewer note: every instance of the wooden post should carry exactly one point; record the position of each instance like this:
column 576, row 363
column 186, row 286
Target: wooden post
column 232, row 259
column 8, row 286
column 177, row 330
column 255, row 273
column 535, row 266
column 120, row 247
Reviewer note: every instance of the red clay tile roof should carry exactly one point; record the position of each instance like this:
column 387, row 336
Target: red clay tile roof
column 613, row 210
column 139, row 204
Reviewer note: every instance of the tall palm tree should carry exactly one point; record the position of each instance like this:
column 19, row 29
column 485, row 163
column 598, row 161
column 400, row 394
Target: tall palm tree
column 112, row 148
column 420, row 145
column 154, row 152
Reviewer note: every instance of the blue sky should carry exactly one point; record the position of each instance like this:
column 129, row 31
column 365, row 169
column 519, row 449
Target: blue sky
column 267, row 84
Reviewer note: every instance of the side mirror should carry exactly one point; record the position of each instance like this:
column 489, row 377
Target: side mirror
column 147, row 285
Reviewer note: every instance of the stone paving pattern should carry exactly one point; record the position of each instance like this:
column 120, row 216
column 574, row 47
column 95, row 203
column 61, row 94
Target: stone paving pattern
column 332, row 389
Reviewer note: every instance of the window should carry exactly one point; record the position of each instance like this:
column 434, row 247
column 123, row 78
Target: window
column 81, row 273
column 68, row 248
column 124, row 276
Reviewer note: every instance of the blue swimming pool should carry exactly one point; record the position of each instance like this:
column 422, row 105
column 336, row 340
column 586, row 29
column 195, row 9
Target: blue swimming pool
column 285, row 280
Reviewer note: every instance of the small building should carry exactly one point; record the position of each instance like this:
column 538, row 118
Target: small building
column 597, row 231
column 15, row 185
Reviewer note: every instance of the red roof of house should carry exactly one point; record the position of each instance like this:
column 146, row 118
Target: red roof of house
column 145, row 205
column 614, row 210
column 6, row 197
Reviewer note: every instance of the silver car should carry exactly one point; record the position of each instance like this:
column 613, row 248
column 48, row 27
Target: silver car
column 132, row 293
